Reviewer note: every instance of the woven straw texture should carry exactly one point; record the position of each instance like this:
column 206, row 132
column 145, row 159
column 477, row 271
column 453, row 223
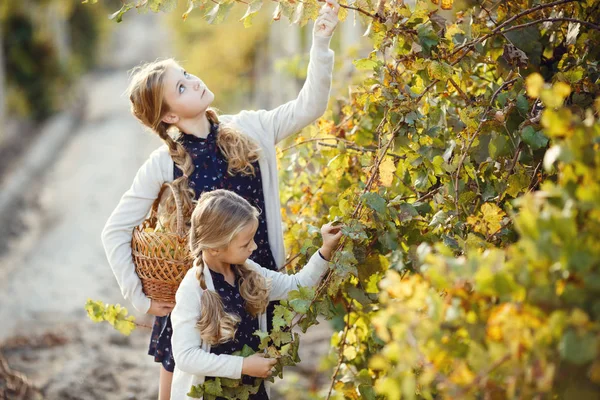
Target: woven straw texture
column 161, row 258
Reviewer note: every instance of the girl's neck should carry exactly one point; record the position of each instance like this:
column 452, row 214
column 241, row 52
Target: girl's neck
column 199, row 127
column 218, row 266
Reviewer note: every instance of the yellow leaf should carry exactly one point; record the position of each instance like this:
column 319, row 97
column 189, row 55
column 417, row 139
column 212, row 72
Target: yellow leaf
column 492, row 215
column 447, row 4
column 461, row 374
column 125, row 326
column 387, row 169
column 534, row 84
column 561, row 90
column 595, row 372
column 350, row 353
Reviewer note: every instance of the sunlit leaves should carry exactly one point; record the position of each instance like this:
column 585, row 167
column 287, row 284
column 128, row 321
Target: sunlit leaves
column 114, row 314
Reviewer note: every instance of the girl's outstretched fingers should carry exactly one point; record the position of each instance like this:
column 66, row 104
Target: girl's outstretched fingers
column 332, row 235
column 327, row 20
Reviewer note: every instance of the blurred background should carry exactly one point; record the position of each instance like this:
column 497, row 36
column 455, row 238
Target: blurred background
column 69, row 149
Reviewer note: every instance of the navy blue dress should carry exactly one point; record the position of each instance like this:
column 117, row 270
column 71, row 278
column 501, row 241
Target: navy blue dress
column 210, row 173
column 234, row 303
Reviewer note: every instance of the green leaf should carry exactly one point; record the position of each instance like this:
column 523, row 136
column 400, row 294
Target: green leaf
column 367, row 392
column 522, row 105
column 213, row 387
column 578, row 349
column 427, row 37
column 374, row 201
column 281, row 338
column 355, row 230
column 535, row 139
column 282, row 317
column 196, row 392
column 439, row 70
column 118, row 16
column 301, row 299
column 264, row 339
column 230, row 383
column 365, row 64
column 499, row 146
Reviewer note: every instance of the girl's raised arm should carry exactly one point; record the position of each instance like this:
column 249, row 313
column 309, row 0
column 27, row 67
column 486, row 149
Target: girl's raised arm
column 313, row 271
column 312, row 100
column 129, row 213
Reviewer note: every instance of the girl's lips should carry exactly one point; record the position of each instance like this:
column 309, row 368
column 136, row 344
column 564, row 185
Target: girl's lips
column 202, row 95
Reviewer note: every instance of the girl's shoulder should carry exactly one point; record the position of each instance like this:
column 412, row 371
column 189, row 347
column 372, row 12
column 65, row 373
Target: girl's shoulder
column 246, row 121
column 160, row 164
column 190, row 281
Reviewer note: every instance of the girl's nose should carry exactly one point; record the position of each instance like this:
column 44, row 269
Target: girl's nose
column 197, row 85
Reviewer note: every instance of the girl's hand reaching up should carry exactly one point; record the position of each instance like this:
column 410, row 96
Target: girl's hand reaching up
column 327, row 20
column 331, row 238
column 258, row 366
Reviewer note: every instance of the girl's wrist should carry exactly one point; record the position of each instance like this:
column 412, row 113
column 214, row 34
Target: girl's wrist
column 325, row 253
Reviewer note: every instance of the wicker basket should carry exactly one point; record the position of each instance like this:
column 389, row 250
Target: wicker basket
column 161, row 258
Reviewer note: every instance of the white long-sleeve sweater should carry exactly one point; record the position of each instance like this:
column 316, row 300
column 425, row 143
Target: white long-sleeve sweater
column 193, row 360
column 266, row 127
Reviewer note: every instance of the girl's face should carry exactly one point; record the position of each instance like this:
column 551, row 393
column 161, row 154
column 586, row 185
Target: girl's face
column 186, row 95
column 241, row 247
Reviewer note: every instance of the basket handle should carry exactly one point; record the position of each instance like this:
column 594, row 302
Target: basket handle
column 178, row 206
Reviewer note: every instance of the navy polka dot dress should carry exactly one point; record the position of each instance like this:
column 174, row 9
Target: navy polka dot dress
column 210, row 173
column 234, row 303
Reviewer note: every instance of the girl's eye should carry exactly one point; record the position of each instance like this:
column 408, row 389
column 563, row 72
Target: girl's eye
column 181, row 89
column 186, row 74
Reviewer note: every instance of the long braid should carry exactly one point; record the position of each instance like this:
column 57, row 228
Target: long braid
column 213, row 310
column 183, row 161
column 239, row 150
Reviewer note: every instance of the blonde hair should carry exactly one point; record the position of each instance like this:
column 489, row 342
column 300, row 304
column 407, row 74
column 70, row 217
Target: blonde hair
column 218, row 217
column 148, row 105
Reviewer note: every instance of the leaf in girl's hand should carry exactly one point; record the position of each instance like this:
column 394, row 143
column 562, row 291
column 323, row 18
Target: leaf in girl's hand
column 272, row 352
column 247, row 351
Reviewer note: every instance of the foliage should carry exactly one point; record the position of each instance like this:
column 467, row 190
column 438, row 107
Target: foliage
column 114, row 314
column 225, row 387
column 465, row 167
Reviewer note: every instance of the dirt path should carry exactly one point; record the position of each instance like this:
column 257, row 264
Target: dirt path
column 51, row 271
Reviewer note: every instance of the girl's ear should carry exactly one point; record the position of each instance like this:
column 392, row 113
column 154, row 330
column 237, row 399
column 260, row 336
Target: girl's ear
column 170, row 118
column 213, row 252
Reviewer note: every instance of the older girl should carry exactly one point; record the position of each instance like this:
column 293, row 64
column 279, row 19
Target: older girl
column 235, row 152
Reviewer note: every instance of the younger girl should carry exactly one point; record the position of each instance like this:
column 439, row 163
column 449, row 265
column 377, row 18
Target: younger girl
column 222, row 299
column 235, row 152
